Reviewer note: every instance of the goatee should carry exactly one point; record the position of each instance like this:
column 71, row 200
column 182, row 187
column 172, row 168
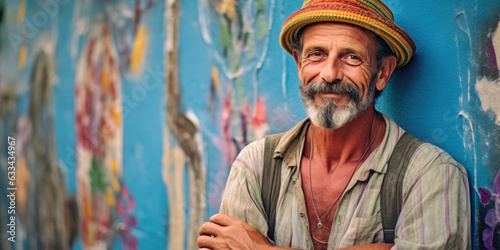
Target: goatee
column 329, row 114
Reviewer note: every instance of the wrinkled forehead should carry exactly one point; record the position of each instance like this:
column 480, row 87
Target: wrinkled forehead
column 329, row 26
column 328, row 31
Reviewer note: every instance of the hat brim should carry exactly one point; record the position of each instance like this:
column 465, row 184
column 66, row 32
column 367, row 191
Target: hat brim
column 398, row 40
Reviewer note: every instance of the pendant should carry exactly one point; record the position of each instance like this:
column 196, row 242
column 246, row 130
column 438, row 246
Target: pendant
column 320, row 225
column 324, row 242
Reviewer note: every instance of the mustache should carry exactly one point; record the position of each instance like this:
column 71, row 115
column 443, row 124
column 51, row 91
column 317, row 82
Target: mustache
column 323, row 87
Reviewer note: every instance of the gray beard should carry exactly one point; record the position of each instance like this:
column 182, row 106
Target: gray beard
column 330, row 115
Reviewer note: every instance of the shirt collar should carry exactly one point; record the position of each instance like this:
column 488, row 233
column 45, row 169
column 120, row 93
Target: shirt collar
column 292, row 140
column 377, row 160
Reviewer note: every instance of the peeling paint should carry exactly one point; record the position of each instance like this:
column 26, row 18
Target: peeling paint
column 489, row 92
column 495, row 39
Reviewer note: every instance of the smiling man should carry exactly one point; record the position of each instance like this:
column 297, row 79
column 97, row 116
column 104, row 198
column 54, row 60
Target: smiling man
column 332, row 166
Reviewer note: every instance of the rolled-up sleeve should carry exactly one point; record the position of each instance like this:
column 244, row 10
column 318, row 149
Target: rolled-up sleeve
column 242, row 195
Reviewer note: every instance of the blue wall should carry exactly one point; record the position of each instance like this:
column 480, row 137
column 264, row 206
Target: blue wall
column 149, row 102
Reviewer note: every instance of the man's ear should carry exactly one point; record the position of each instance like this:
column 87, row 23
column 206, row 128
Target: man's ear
column 298, row 61
column 297, row 58
column 385, row 71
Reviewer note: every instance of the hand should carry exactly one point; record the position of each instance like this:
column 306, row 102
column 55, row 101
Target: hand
column 225, row 232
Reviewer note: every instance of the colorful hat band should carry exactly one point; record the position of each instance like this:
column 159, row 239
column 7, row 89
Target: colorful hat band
column 369, row 14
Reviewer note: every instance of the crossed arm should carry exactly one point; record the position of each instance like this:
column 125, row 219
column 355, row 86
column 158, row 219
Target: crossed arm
column 436, row 214
column 225, row 232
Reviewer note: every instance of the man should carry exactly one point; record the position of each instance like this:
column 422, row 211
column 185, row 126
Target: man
column 334, row 162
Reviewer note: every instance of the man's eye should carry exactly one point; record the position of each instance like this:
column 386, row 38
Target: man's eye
column 315, row 56
column 353, row 57
column 353, row 60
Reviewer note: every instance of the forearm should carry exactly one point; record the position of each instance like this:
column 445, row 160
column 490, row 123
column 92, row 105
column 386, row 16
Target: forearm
column 281, row 248
column 374, row 246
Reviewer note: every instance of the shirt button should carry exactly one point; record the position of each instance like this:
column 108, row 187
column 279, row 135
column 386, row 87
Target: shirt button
column 301, row 214
column 293, row 181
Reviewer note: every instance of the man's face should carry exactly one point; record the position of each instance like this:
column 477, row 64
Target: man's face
column 338, row 71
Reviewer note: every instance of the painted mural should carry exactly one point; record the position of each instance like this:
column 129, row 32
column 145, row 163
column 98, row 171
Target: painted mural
column 99, row 140
column 127, row 114
column 99, row 212
column 237, row 36
column 487, row 88
column 37, row 202
column 114, row 47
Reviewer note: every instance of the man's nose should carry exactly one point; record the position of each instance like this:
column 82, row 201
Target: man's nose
column 332, row 71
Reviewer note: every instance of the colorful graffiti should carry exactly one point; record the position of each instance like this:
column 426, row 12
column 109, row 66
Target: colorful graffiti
column 237, row 34
column 487, row 88
column 102, row 209
column 99, row 141
column 236, row 55
column 40, row 193
column 491, row 200
column 115, row 49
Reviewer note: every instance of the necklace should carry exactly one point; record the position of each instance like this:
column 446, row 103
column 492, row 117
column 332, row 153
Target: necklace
column 320, row 224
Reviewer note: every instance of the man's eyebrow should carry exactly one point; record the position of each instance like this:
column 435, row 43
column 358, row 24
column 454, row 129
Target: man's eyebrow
column 351, row 50
column 343, row 51
column 308, row 49
column 363, row 54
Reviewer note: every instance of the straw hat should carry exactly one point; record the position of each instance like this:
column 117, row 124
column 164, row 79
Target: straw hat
column 370, row 14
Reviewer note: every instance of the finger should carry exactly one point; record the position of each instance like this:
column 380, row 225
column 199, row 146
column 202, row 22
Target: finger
column 222, row 219
column 209, row 228
column 207, row 242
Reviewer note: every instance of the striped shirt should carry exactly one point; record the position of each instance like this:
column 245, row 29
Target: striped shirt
column 435, row 212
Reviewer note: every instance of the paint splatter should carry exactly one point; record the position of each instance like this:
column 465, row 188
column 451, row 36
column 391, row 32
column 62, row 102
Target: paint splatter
column 234, row 138
column 228, row 8
column 23, row 53
column 137, row 55
column 492, row 56
column 21, row 12
column 226, row 145
column 23, row 178
column 126, row 207
column 258, row 119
